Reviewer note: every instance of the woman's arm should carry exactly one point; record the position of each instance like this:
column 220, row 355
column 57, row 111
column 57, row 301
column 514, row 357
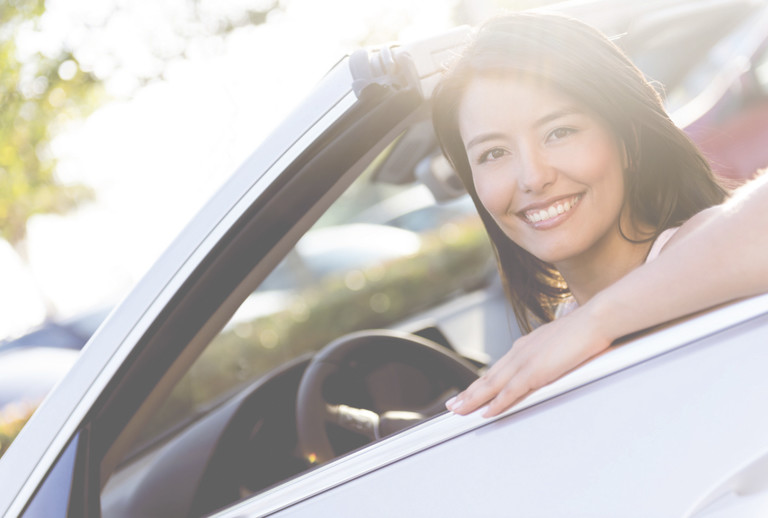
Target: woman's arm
column 720, row 254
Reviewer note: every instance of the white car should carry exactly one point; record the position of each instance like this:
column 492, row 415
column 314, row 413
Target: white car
column 200, row 395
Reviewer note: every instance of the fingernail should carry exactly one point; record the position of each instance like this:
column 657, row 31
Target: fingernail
column 455, row 405
column 450, row 402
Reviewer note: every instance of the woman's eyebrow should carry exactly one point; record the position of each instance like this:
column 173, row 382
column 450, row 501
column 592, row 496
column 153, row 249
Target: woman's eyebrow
column 485, row 137
column 556, row 114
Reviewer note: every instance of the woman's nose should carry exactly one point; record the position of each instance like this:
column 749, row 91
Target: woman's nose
column 534, row 173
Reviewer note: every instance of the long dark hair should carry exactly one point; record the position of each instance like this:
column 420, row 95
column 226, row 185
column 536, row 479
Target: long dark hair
column 667, row 179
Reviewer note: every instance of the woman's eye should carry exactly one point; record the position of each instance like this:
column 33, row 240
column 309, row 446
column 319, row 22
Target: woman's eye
column 560, row 133
column 491, row 154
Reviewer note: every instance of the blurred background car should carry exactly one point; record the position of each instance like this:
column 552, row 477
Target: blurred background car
column 68, row 333
column 28, row 373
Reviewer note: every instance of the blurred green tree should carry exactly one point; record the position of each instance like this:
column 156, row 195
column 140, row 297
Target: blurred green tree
column 38, row 96
column 41, row 92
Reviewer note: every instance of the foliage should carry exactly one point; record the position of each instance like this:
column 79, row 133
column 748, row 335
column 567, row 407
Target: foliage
column 39, row 94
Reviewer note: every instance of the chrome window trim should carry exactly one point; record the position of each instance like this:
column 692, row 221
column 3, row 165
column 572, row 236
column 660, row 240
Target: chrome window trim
column 447, row 426
column 167, row 285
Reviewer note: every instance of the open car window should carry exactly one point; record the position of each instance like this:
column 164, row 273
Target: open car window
column 379, row 256
column 383, row 256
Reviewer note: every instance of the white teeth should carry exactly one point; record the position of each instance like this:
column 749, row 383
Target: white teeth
column 555, row 210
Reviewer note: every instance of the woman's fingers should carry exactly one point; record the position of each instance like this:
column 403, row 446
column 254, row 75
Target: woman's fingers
column 501, row 392
column 503, row 386
column 475, row 396
column 487, row 387
column 515, row 390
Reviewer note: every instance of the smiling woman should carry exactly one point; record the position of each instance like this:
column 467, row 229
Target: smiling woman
column 565, row 116
column 576, row 170
column 543, row 168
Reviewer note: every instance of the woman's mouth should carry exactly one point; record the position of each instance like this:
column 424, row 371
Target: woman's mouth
column 557, row 208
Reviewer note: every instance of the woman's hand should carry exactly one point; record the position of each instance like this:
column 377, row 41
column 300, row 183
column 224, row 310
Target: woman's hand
column 534, row 360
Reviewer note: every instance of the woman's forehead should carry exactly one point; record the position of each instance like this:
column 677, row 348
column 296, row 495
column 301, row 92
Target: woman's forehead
column 499, row 97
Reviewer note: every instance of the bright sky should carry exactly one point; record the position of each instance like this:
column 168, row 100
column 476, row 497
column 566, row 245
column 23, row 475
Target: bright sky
column 156, row 158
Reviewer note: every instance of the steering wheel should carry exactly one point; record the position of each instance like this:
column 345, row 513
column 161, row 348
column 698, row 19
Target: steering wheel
column 354, row 357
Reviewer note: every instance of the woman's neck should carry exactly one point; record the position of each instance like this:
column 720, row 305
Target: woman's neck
column 603, row 264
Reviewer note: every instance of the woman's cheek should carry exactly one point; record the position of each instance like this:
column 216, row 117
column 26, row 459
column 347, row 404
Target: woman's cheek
column 492, row 195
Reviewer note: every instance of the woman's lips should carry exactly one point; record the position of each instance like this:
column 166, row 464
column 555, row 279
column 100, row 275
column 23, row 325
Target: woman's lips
column 552, row 212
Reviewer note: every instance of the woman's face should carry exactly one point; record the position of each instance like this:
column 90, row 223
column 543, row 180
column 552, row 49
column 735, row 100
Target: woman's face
column 547, row 170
